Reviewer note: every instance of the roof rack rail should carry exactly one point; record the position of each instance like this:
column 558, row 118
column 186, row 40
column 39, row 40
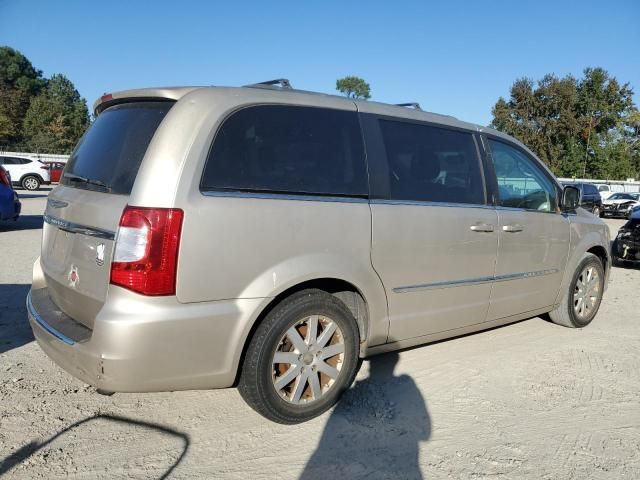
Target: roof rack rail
column 280, row 82
column 414, row 105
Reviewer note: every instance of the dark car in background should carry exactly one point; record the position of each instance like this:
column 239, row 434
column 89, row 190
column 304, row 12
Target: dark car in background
column 9, row 202
column 591, row 199
column 626, row 246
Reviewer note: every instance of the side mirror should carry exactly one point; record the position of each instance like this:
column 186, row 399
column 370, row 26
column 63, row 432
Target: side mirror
column 571, row 197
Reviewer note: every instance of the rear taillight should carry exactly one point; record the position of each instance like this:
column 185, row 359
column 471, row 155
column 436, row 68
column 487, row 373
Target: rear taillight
column 145, row 259
column 4, row 178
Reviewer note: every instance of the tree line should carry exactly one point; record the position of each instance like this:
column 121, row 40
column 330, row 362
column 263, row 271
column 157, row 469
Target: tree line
column 38, row 114
column 580, row 127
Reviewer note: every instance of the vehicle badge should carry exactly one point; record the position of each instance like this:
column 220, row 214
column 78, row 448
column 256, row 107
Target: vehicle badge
column 74, row 278
column 100, row 254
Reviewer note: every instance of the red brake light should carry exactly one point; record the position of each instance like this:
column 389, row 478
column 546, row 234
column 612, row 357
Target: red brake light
column 145, row 258
column 106, row 97
column 4, row 178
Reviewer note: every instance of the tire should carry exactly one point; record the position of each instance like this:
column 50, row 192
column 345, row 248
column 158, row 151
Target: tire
column 30, row 182
column 568, row 313
column 596, row 211
column 263, row 383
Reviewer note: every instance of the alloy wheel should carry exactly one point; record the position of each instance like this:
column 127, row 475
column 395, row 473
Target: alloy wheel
column 587, row 292
column 308, row 359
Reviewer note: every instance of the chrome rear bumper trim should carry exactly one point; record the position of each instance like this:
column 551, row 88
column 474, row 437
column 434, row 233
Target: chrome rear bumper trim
column 40, row 321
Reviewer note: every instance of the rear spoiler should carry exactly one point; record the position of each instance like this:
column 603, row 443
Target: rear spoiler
column 140, row 95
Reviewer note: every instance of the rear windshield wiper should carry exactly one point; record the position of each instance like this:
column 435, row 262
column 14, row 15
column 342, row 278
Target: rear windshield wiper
column 78, row 178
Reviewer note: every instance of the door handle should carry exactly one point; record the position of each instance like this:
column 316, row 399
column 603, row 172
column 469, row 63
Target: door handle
column 512, row 228
column 481, row 227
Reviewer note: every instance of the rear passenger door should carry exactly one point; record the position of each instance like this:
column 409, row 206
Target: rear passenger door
column 434, row 238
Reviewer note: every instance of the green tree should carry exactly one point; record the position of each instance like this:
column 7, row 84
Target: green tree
column 560, row 118
column 354, row 87
column 19, row 83
column 56, row 118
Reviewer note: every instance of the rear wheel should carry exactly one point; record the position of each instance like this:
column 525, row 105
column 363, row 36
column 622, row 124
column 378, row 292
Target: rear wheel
column 596, row 211
column 301, row 358
column 581, row 303
column 31, row 183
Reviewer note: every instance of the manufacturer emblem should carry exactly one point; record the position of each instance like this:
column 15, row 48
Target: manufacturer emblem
column 100, row 254
column 74, row 278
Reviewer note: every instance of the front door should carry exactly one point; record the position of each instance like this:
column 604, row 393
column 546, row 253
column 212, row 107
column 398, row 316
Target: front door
column 533, row 234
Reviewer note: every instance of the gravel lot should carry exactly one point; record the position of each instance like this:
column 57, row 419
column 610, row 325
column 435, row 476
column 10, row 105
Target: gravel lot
column 529, row 400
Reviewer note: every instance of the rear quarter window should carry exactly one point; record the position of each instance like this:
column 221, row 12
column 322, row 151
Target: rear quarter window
column 111, row 150
column 288, row 149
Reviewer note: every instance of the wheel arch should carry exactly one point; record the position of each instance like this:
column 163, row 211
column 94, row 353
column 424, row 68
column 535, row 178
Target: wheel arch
column 344, row 290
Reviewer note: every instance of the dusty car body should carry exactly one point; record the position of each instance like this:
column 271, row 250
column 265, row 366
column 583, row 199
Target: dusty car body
column 267, row 238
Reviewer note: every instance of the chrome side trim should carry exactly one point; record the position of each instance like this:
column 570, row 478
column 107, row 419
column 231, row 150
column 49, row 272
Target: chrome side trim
column 430, row 204
column 39, row 320
column 285, row 196
column 438, row 285
column 77, row 228
column 473, row 281
column 515, row 276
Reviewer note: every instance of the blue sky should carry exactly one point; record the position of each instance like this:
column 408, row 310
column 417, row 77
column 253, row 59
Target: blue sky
column 453, row 57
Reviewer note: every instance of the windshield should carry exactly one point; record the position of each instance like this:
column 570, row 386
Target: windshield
column 108, row 157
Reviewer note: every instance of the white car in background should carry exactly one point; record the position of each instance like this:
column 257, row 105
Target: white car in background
column 620, row 204
column 26, row 172
column 607, row 190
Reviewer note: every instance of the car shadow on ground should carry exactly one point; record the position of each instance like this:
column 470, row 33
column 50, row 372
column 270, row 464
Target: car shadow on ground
column 24, row 222
column 376, row 429
column 34, row 447
column 15, row 330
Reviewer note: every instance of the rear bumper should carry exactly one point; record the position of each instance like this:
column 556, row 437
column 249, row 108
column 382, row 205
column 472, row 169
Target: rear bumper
column 138, row 345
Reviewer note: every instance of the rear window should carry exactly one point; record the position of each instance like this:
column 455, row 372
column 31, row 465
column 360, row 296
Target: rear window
column 110, row 153
column 288, row 149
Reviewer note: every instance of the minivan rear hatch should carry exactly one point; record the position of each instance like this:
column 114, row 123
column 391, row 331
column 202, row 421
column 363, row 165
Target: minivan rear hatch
column 83, row 213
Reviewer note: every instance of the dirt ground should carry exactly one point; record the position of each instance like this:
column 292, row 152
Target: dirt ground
column 529, row 400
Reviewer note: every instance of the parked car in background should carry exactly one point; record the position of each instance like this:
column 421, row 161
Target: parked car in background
column 607, row 190
column 55, row 170
column 626, row 246
column 9, row 201
column 272, row 253
column 591, row 199
column 620, row 204
column 26, row 172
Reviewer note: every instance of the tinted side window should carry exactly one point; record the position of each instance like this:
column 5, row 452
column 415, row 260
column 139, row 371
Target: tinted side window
column 521, row 182
column 432, row 164
column 9, row 161
column 288, row 149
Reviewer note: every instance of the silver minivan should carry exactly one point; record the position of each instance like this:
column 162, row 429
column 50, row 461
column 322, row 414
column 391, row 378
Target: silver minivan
column 269, row 238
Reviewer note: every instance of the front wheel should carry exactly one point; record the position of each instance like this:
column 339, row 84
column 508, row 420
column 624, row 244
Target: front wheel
column 301, row 358
column 596, row 211
column 581, row 303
